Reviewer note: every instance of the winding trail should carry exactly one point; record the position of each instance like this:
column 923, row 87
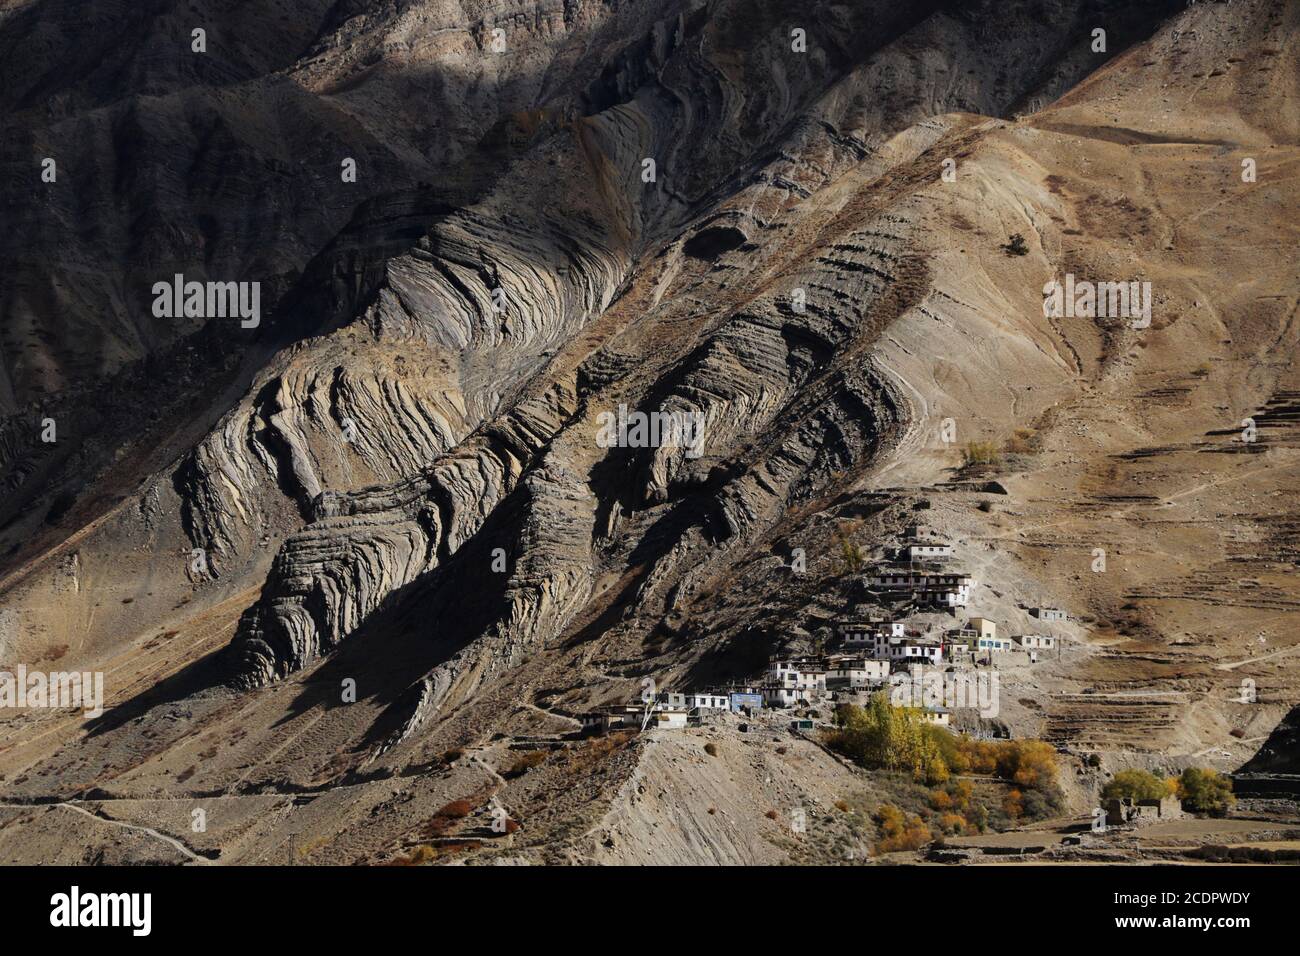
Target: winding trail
column 171, row 841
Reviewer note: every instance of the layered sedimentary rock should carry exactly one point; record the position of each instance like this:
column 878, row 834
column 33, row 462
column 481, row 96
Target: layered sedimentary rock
column 511, row 291
column 739, row 213
column 361, row 547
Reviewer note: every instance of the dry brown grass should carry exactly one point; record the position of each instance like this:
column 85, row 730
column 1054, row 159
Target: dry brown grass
column 457, row 809
column 424, row 854
column 526, row 762
column 1023, row 441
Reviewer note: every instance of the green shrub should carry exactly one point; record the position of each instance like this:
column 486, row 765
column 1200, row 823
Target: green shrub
column 1204, row 791
column 1137, row 785
column 852, row 558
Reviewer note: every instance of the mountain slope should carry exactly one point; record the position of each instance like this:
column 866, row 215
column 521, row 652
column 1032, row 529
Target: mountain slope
column 799, row 274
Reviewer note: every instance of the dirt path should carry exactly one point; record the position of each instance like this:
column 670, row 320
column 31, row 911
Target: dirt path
column 150, row 831
column 1233, row 665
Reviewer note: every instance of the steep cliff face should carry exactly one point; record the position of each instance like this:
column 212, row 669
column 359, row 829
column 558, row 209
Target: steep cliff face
column 788, row 228
column 134, row 151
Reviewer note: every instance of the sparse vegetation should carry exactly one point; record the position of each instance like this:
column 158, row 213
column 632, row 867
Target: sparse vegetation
column 1013, row 805
column 980, row 453
column 1028, row 763
column 1023, row 441
column 456, row 810
column 1016, row 245
column 852, row 557
column 525, row 763
column 1201, row 790
column 418, row 856
column 596, row 751
column 445, row 819
column 425, row 854
column 1204, row 791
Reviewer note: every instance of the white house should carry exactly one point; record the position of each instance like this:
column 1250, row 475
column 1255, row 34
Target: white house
column 916, row 650
column 1041, row 641
column 877, row 645
column 780, row 695
column 705, row 700
column 946, row 590
column 874, row 640
column 806, row 676
column 783, row 673
column 908, row 649
column 613, row 717
column 812, row 678
column 668, row 718
column 1048, row 613
column 932, row 551
column 602, row 721
column 936, row 715
column 853, row 672
column 860, row 634
column 896, row 647
column 998, row 644
column 956, row 595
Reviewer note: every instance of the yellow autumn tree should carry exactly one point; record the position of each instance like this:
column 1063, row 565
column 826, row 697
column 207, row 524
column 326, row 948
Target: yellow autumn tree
column 883, row 737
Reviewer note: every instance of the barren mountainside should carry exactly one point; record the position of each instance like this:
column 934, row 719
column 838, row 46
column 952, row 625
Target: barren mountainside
column 352, row 564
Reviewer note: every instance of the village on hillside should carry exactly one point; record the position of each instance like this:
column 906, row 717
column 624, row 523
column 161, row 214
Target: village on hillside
column 933, row 667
